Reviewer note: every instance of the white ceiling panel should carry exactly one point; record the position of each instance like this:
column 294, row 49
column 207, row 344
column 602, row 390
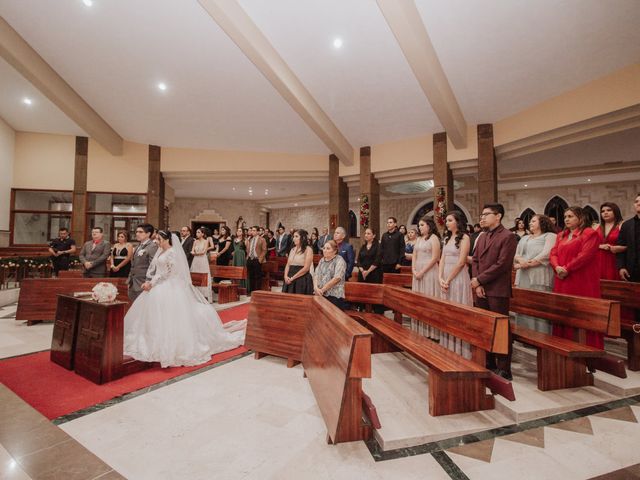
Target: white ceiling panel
column 115, row 52
column 502, row 56
column 40, row 116
column 366, row 86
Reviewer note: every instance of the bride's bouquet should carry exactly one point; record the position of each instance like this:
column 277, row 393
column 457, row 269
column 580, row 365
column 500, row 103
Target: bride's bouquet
column 104, row 292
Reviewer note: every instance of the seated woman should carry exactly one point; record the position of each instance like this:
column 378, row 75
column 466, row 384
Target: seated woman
column 297, row 278
column 328, row 279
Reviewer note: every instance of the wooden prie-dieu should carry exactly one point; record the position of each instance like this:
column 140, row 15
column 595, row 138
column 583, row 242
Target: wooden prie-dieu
column 88, row 337
column 628, row 294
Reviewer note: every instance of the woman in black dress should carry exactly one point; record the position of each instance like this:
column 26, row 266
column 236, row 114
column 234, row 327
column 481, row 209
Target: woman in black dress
column 297, row 276
column 369, row 266
column 121, row 256
column 225, row 247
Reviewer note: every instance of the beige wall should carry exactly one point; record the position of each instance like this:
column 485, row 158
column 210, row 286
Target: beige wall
column 126, row 173
column 185, row 209
column 44, row 161
column 7, row 152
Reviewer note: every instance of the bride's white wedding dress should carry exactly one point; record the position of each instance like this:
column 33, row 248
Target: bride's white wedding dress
column 173, row 323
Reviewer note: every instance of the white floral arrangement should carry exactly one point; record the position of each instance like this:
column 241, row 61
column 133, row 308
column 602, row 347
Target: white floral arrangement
column 104, row 292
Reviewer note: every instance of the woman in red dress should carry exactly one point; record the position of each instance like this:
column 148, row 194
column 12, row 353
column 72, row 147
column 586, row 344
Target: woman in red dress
column 610, row 220
column 574, row 259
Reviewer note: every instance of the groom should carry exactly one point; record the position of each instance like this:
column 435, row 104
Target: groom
column 142, row 256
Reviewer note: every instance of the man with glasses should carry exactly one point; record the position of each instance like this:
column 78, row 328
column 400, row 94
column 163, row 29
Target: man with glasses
column 142, row 257
column 491, row 271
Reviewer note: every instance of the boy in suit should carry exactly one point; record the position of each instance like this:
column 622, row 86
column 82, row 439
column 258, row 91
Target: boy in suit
column 491, row 271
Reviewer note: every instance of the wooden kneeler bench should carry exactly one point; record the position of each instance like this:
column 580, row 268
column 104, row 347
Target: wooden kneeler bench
column 562, row 363
column 628, row 294
column 228, row 292
column 456, row 385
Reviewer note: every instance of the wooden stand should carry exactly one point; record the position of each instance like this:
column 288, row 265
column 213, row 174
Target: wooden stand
column 228, row 292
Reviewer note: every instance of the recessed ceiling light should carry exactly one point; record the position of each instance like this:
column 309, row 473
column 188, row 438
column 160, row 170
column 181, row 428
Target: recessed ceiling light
column 295, row 204
column 88, row 3
column 233, row 188
column 588, row 179
column 162, row 86
column 27, row 101
column 525, row 185
column 337, row 43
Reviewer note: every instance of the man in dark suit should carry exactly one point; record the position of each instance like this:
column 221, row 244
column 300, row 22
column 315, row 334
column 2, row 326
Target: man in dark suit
column 628, row 262
column 491, row 266
column 345, row 250
column 283, row 242
column 256, row 253
column 187, row 243
column 324, row 238
column 392, row 247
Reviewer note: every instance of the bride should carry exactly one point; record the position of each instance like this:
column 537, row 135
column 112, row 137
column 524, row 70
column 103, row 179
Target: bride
column 171, row 322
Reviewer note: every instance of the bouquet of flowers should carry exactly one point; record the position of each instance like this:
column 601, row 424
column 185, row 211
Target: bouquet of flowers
column 104, row 292
column 440, row 210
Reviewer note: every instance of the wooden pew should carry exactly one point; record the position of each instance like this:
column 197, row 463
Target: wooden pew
column 456, row 384
column 336, row 357
column 38, row 296
column 628, row 294
column 269, row 268
column 227, row 292
column 334, row 349
column 70, row 274
column 404, row 280
column 562, row 363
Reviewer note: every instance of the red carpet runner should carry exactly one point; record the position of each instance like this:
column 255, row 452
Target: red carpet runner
column 55, row 391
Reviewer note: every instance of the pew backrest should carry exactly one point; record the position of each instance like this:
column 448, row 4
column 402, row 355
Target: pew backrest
column 228, row 272
column 398, row 279
column 367, row 293
column 593, row 314
column 627, row 293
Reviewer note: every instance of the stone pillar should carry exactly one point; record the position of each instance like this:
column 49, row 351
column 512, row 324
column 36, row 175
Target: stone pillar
column 369, row 193
column 155, row 197
column 338, row 197
column 79, row 214
column 442, row 180
column 487, row 167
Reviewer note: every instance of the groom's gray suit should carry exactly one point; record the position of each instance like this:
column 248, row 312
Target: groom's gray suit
column 142, row 257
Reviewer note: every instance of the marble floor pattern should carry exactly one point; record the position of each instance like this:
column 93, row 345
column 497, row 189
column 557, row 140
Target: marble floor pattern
column 258, row 419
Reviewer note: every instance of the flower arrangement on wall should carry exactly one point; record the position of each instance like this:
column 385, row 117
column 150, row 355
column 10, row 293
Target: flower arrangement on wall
column 440, row 207
column 364, row 211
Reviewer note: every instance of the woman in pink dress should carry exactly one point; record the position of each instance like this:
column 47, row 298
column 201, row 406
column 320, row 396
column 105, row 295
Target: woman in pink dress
column 610, row 220
column 574, row 259
column 424, row 269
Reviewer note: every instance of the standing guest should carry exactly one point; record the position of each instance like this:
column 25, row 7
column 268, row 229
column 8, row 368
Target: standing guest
column 556, row 227
column 200, row 263
column 474, row 235
column 282, row 242
column 94, row 254
column 328, row 278
column 256, row 253
column 519, row 229
column 315, row 230
column 297, row 278
column 271, row 244
column 61, row 249
column 345, row 250
column 491, row 269
column 369, row 265
column 412, row 234
column 324, row 238
column 392, row 247
column 121, row 256
column 314, row 243
column 532, row 266
column 403, row 230
column 574, row 259
column 240, row 253
column 187, row 243
column 141, row 261
column 453, row 274
column 609, row 231
column 424, row 269
column 628, row 260
column 225, row 246
column 215, row 237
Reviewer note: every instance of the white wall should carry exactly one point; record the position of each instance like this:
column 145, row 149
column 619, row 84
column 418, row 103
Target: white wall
column 7, row 155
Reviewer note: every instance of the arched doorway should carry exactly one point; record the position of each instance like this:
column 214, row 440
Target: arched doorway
column 555, row 208
column 353, row 225
column 526, row 216
column 591, row 214
column 427, row 208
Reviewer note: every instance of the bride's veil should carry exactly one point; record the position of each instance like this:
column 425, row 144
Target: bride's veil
column 182, row 268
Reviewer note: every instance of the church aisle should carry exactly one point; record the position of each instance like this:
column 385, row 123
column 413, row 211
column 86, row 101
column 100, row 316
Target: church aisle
column 16, row 338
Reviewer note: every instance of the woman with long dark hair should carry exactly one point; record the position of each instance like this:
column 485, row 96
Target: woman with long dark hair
column 225, row 247
column 574, row 259
column 455, row 283
column 424, row 269
column 200, row 262
column 297, row 276
column 610, row 221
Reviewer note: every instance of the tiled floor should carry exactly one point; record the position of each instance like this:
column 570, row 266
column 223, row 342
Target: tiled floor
column 259, row 419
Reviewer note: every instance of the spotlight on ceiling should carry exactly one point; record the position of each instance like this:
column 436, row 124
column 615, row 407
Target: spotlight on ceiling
column 337, row 43
column 88, row 3
column 27, row 101
column 162, row 86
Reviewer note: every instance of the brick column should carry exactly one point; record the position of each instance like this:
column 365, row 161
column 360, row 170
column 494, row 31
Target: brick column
column 338, row 197
column 369, row 191
column 155, row 197
column 79, row 214
column 442, row 180
column 487, row 167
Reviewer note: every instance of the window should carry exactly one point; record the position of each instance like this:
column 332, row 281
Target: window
column 37, row 215
column 555, row 208
column 591, row 214
column 115, row 212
